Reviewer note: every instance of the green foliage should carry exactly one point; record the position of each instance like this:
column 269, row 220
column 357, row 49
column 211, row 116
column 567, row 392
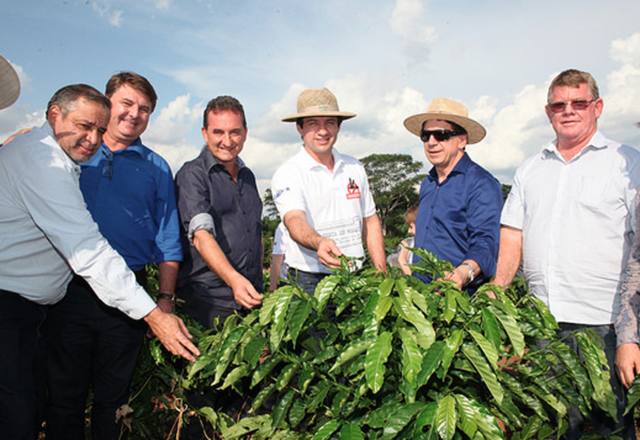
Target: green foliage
column 373, row 356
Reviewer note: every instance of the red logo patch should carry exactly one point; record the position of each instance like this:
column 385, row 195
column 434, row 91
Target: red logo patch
column 353, row 192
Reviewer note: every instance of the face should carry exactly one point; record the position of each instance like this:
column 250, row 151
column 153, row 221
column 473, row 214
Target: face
column 130, row 112
column 574, row 126
column 80, row 131
column 319, row 134
column 225, row 135
column 444, row 155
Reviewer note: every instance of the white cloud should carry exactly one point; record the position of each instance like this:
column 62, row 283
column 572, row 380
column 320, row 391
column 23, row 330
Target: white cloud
column 104, row 10
column 407, row 21
column 162, row 4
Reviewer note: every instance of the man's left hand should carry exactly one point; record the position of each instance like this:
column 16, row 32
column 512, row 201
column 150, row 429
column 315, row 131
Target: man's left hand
column 628, row 362
column 457, row 276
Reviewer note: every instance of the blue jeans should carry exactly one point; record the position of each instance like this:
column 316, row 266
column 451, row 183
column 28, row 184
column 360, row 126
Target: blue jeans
column 600, row 422
column 306, row 280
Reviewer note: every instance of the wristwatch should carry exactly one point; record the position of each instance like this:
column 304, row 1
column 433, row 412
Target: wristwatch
column 170, row 296
column 470, row 273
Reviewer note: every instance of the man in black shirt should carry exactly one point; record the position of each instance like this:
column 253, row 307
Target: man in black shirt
column 220, row 213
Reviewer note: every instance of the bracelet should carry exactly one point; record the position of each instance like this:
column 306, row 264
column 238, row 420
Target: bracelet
column 470, row 273
column 169, row 296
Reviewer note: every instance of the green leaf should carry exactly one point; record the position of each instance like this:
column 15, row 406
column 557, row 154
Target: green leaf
column 253, row 350
column 234, row 375
column 510, row 326
column 210, row 415
column 547, row 318
column 304, row 379
column 411, row 363
column 264, row 369
column 285, row 376
column 381, row 415
column 351, row 431
column 400, row 418
column 426, row 417
column 201, row 363
column 527, row 398
column 245, row 426
column 430, row 362
column 446, row 417
column 261, row 397
column 575, row 369
column 382, row 308
column 352, row 350
column 297, row 413
column 407, row 311
column 229, row 346
column 550, row 399
column 482, row 367
column 490, row 327
column 483, row 420
column 324, row 290
column 385, row 288
column 466, row 415
column 633, row 395
column 279, row 321
column 268, row 303
column 451, row 305
column 326, row 430
column 487, row 348
column 281, row 409
column 452, row 345
column 297, row 317
column 317, row 395
column 375, row 360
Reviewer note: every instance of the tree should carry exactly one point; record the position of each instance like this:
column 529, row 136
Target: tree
column 268, row 205
column 394, row 180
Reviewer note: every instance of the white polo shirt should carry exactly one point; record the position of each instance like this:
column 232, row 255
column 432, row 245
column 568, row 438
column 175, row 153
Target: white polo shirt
column 334, row 202
column 576, row 220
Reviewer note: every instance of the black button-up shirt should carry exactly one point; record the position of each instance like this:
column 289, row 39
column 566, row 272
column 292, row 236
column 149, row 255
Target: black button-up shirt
column 203, row 186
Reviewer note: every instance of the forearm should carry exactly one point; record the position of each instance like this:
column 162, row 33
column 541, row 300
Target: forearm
column 167, row 276
column 509, row 255
column 212, row 254
column 300, row 231
column 628, row 309
column 375, row 242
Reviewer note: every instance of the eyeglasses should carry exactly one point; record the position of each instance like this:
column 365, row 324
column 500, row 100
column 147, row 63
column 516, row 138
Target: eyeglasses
column 579, row 104
column 439, row 135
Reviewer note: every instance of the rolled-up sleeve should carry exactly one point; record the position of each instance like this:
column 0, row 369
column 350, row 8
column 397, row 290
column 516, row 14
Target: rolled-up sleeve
column 194, row 200
column 485, row 205
column 167, row 240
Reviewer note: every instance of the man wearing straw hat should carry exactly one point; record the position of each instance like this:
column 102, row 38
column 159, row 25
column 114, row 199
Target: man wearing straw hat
column 569, row 221
column 323, row 196
column 459, row 212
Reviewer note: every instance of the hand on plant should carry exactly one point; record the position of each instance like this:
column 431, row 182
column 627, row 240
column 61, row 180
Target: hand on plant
column 628, row 362
column 172, row 333
column 328, row 253
column 244, row 293
column 457, row 276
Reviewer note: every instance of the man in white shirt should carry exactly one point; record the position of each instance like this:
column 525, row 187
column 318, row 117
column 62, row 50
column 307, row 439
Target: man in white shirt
column 323, row 196
column 568, row 219
column 45, row 233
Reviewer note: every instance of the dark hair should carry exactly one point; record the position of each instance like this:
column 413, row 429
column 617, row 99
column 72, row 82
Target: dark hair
column 573, row 78
column 221, row 104
column 411, row 214
column 66, row 97
column 135, row 81
column 300, row 121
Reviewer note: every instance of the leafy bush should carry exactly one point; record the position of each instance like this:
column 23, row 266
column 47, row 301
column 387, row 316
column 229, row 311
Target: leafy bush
column 378, row 356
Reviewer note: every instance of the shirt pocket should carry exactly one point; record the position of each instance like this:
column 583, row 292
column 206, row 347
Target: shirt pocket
column 592, row 192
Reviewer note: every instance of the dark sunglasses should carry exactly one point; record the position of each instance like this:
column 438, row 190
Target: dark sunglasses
column 560, row 106
column 439, row 135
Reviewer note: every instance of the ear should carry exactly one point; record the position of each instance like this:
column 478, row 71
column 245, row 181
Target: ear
column 548, row 112
column 299, row 129
column 204, row 134
column 599, row 105
column 54, row 113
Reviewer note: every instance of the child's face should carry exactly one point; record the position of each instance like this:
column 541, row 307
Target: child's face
column 412, row 228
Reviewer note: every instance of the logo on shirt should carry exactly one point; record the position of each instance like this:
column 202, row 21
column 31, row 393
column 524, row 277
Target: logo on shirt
column 353, row 192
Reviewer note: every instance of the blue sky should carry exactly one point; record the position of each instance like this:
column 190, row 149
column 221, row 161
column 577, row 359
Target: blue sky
column 383, row 59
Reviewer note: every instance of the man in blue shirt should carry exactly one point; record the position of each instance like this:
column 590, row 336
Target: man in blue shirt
column 460, row 202
column 129, row 191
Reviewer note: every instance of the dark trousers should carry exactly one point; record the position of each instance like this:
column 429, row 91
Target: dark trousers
column 21, row 366
column 306, row 280
column 204, row 303
column 89, row 345
column 601, row 423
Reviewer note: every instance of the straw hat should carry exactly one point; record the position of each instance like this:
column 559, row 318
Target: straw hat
column 446, row 109
column 317, row 102
column 9, row 84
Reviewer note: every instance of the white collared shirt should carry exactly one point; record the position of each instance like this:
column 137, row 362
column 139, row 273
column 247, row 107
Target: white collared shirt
column 46, row 230
column 577, row 225
column 335, row 203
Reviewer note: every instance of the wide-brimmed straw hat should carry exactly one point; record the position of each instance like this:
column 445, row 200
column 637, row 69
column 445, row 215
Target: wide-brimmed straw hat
column 317, row 102
column 446, row 109
column 9, row 84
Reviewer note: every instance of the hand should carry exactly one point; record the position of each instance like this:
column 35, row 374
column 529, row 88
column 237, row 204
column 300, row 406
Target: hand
column 628, row 362
column 456, row 276
column 244, row 293
column 172, row 333
column 328, row 252
column 165, row 304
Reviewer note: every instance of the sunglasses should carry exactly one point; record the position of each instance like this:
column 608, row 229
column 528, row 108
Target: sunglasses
column 439, row 135
column 579, row 104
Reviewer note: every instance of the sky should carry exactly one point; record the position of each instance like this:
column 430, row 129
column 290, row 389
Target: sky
column 384, row 60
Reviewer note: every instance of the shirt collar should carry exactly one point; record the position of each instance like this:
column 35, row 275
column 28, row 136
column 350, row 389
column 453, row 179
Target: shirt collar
column 460, row 168
column 597, row 142
column 135, row 147
column 50, row 139
column 310, row 163
column 210, row 161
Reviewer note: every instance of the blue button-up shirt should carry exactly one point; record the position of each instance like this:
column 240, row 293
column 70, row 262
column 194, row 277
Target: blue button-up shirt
column 459, row 219
column 131, row 196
